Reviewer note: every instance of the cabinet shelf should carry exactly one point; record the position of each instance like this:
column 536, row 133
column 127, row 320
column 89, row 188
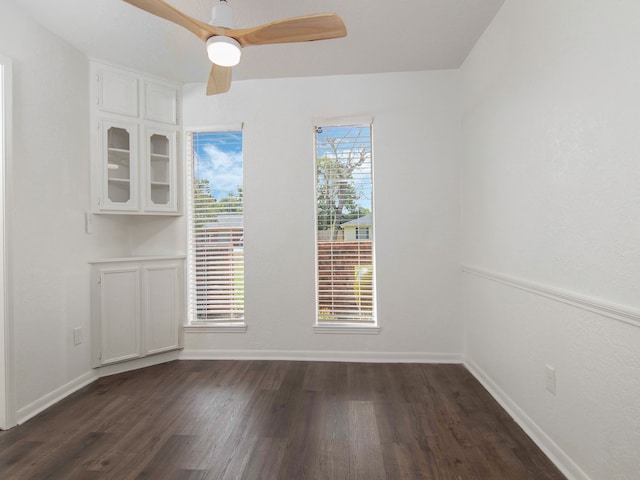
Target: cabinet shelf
column 160, row 156
column 119, row 156
column 160, row 184
column 116, row 163
column 119, row 180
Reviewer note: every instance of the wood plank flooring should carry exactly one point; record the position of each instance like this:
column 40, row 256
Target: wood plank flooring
column 188, row 420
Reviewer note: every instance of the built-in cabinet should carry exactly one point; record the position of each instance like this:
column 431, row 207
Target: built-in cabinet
column 134, row 135
column 138, row 303
column 138, row 307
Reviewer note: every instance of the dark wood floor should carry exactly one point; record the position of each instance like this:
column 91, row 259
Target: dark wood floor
column 276, row 420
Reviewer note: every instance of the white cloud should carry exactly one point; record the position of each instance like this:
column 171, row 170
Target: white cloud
column 222, row 169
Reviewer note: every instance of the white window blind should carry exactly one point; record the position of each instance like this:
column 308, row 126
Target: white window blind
column 345, row 254
column 216, row 229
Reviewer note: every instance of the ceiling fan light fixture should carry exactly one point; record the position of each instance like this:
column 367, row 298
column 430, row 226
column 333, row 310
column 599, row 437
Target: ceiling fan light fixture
column 224, row 51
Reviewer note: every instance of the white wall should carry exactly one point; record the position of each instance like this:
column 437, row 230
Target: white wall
column 416, row 138
column 48, row 192
column 551, row 198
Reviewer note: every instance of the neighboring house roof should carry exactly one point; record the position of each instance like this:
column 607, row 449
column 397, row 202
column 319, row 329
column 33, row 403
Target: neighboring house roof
column 225, row 222
column 365, row 221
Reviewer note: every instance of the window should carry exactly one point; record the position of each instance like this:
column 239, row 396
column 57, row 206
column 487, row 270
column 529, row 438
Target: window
column 362, row 233
column 344, row 220
column 216, row 228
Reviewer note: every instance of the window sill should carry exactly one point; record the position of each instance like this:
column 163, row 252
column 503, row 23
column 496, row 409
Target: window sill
column 349, row 328
column 235, row 327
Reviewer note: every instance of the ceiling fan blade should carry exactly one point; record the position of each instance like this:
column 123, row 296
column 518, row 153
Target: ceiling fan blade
column 321, row 26
column 163, row 10
column 219, row 80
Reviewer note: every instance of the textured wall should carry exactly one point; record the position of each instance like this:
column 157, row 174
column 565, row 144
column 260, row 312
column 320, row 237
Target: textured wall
column 550, row 196
column 48, row 192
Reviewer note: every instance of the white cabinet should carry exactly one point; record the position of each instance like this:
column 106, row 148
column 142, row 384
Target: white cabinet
column 134, row 151
column 160, row 103
column 138, row 307
column 160, row 170
column 119, row 168
column 127, row 93
column 119, row 317
column 117, row 92
column 161, row 308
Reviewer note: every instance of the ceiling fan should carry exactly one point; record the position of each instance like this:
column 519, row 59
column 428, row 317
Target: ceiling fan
column 224, row 41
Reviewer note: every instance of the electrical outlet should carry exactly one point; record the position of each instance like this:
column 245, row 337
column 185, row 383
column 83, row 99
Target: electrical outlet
column 77, row 335
column 551, row 378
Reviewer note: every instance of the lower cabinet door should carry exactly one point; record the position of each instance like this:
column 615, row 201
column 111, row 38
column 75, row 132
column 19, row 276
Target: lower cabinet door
column 120, row 314
column 137, row 308
column 162, row 308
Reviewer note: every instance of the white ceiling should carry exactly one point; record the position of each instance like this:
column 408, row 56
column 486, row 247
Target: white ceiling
column 384, row 35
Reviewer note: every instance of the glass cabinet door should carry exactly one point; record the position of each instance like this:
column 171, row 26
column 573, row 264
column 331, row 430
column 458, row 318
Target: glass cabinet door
column 119, row 157
column 160, row 179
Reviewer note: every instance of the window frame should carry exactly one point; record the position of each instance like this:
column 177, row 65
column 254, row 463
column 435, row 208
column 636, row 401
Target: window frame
column 194, row 325
column 345, row 327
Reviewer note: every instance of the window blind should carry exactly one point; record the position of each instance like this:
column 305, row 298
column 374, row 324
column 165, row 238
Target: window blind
column 344, row 220
column 216, row 227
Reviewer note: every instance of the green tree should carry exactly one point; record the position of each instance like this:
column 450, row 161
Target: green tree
column 205, row 202
column 207, row 207
column 232, row 203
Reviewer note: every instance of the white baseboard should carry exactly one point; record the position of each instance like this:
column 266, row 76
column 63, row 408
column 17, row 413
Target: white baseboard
column 566, row 465
column 129, row 365
column 328, row 356
column 51, row 398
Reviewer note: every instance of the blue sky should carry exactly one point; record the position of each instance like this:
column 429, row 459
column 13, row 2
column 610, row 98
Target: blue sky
column 219, row 160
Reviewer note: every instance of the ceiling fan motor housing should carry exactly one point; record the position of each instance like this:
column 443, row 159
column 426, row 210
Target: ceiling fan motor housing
column 222, row 15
